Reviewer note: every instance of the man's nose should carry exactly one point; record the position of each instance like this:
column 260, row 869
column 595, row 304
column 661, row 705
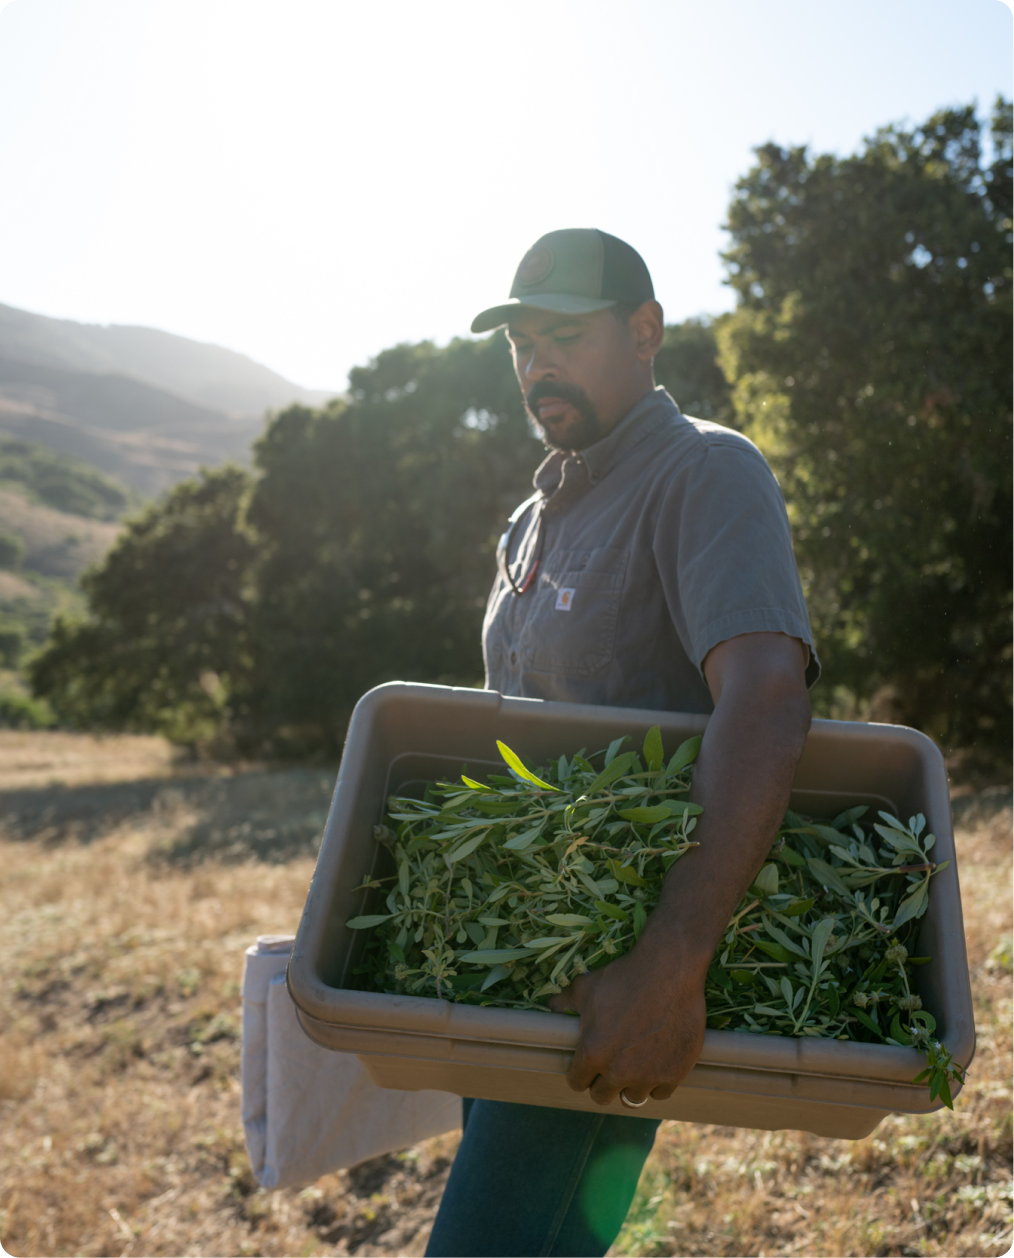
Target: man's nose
column 538, row 364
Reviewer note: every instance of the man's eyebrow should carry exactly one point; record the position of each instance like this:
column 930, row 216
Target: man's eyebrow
column 549, row 327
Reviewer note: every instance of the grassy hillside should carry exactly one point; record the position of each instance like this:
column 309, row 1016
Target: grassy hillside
column 57, row 516
column 131, row 887
column 63, row 483
column 56, row 544
column 145, row 437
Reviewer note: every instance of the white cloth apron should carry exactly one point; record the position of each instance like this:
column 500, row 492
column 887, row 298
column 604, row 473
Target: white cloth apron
column 308, row 1110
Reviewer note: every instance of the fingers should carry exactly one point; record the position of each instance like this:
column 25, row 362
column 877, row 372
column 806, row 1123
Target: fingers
column 582, row 1073
column 604, row 1090
column 593, row 1074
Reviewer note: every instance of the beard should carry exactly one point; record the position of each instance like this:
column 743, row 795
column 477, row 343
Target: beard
column 572, row 436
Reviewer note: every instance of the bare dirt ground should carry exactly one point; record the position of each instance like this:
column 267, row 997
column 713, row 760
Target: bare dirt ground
column 131, row 886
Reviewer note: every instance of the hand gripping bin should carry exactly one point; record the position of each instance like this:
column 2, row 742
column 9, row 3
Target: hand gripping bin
column 403, row 734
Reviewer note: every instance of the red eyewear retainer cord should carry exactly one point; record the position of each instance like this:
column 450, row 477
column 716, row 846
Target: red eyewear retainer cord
column 540, row 540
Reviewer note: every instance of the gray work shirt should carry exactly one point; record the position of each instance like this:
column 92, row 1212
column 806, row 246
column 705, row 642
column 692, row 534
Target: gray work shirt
column 663, row 539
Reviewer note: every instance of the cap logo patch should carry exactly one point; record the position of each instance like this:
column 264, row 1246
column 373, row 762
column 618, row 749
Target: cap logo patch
column 536, row 265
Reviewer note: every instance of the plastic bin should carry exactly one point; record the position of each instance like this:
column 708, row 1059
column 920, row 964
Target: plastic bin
column 403, row 733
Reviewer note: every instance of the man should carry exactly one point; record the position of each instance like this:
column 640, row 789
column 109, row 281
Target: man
column 652, row 568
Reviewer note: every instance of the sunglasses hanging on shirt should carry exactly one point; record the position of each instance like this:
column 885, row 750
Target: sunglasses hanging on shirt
column 520, row 586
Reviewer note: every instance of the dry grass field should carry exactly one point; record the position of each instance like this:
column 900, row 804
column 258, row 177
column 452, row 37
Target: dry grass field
column 132, row 884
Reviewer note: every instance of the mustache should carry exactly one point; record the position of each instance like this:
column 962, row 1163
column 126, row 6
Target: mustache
column 571, row 393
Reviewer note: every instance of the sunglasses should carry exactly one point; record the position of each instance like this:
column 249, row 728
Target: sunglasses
column 503, row 550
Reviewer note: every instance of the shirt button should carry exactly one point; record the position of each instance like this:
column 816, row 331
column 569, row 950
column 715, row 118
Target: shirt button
column 514, row 657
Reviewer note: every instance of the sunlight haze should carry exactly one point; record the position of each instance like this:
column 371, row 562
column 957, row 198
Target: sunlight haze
column 309, row 183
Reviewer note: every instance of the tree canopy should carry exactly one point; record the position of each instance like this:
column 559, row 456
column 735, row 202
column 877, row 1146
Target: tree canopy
column 164, row 648
column 870, row 358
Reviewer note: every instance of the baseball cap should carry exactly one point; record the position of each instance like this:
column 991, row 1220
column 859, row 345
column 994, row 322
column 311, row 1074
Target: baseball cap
column 575, row 271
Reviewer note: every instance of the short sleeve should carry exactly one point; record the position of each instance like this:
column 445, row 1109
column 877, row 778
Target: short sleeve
column 724, row 552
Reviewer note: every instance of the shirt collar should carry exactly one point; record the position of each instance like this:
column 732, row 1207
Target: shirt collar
column 647, row 416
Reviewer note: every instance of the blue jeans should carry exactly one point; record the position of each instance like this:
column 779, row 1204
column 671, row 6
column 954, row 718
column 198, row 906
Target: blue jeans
column 529, row 1180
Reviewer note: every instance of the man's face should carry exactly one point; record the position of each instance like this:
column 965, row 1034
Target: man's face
column 580, row 374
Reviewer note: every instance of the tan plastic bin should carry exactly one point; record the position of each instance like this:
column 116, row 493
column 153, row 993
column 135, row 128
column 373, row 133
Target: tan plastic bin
column 403, row 733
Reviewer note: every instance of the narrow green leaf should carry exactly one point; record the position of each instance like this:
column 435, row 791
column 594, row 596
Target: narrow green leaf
column 785, row 940
column 513, row 762
column 686, row 754
column 365, row 923
column 477, row 786
column 893, row 822
column 653, row 752
column 898, row 839
column 616, row 769
column 524, row 840
column 866, row 1020
column 797, row 908
column 773, row 950
column 822, row 932
column 466, row 848
column 494, row 956
column 614, row 748
column 494, row 976
column 913, row 905
column 624, row 874
column 825, row 834
column 646, row 816
column 826, row 875
column 612, row 910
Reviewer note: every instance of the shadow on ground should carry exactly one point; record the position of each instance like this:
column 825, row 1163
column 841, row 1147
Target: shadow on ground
column 265, row 814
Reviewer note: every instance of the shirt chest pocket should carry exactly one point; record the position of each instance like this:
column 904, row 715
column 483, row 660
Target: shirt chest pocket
column 570, row 630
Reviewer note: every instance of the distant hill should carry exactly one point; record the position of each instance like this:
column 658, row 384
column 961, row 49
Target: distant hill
column 207, row 375
column 145, row 437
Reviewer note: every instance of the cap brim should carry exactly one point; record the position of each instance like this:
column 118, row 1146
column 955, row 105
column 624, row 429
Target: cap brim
column 555, row 303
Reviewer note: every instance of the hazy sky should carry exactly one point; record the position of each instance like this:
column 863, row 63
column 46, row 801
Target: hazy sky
column 309, row 181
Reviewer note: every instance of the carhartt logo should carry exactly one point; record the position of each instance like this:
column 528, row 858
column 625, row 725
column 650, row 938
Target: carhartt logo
column 535, row 265
column 564, row 599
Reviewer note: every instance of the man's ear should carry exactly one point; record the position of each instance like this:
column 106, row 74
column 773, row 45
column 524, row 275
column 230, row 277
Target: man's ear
column 647, row 324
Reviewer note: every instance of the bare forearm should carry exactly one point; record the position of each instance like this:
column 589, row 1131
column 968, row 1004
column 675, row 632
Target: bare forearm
column 742, row 781
column 643, row 1016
